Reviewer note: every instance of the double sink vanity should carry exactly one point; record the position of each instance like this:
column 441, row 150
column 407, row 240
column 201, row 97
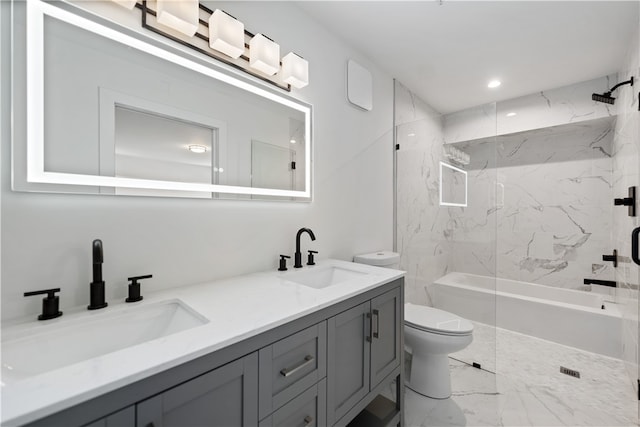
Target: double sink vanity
column 321, row 345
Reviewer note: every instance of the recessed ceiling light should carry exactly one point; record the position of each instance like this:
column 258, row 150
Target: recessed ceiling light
column 494, row 83
column 511, row 114
column 411, row 134
column 292, row 140
column 198, row 149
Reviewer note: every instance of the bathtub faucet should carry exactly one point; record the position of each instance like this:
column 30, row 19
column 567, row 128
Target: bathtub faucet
column 610, row 283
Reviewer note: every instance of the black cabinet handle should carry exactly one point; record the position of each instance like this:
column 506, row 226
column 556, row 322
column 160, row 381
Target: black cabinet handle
column 370, row 326
column 376, row 334
column 634, row 245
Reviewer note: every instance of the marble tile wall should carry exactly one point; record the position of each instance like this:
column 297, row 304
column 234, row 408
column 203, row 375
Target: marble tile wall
column 421, row 239
column 568, row 104
column 552, row 200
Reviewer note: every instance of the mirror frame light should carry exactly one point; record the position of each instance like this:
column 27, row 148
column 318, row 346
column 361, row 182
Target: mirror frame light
column 35, row 171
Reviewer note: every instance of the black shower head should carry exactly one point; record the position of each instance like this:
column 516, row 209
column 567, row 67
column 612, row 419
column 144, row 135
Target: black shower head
column 605, row 97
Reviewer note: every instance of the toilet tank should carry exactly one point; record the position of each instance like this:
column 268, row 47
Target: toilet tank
column 384, row 259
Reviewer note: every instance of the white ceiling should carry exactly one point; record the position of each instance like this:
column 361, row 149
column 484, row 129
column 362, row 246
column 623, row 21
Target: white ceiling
column 447, row 53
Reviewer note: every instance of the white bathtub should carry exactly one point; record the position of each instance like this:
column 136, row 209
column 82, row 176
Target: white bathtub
column 569, row 317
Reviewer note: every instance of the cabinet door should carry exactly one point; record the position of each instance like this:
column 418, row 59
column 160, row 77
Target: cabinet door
column 124, row 418
column 386, row 327
column 347, row 360
column 227, row 396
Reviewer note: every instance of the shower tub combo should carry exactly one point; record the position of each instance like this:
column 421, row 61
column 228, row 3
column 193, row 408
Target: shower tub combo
column 584, row 320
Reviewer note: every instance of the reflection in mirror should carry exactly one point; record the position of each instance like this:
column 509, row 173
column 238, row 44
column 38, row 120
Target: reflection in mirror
column 149, row 146
column 147, row 104
column 272, row 166
column 453, row 186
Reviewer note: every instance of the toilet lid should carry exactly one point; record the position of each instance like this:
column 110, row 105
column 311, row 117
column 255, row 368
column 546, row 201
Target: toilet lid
column 433, row 320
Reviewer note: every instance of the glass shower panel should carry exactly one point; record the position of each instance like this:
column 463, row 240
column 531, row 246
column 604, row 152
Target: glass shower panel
column 561, row 334
column 445, row 234
column 626, row 174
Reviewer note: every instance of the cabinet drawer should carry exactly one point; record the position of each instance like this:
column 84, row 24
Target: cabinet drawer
column 290, row 366
column 307, row 410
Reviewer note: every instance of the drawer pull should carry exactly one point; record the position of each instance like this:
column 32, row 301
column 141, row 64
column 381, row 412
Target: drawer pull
column 308, row 421
column 290, row 371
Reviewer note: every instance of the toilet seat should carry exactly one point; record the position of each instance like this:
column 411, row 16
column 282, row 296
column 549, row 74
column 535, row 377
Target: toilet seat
column 436, row 321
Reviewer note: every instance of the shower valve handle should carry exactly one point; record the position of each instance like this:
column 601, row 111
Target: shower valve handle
column 613, row 258
column 628, row 201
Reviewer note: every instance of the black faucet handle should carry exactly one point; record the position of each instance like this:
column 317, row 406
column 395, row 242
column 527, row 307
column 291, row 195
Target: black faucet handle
column 310, row 260
column 50, row 303
column 134, row 288
column 283, row 262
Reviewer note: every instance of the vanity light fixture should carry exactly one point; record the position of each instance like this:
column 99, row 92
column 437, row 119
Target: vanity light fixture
column 264, row 54
column 295, row 70
column 198, row 149
column 226, row 34
column 182, row 16
column 221, row 36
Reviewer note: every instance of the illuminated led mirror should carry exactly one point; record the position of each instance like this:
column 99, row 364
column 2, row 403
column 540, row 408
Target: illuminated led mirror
column 85, row 88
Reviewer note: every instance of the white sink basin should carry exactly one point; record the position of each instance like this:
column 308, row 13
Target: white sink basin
column 323, row 277
column 55, row 345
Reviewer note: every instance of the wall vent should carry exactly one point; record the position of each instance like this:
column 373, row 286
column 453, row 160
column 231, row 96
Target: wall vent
column 570, row 372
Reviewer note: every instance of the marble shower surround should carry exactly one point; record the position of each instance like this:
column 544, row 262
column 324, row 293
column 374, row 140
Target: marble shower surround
column 550, row 192
column 539, row 201
column 421, row 239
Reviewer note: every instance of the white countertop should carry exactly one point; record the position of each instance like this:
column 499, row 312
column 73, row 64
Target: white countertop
column 236, row 309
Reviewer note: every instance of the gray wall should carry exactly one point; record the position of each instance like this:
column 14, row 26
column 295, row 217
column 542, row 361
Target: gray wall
column 46, row 238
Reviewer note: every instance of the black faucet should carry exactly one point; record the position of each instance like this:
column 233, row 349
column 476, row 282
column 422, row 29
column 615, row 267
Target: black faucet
column 298, row 254
column 610, row 283
column 96, row 287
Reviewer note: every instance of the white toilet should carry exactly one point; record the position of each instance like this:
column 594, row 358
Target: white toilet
column 429, row 334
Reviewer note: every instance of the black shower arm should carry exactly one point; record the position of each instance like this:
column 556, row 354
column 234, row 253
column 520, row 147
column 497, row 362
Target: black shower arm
column 628, row 82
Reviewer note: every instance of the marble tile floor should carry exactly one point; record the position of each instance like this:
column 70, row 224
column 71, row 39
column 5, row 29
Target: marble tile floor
column 524, row 387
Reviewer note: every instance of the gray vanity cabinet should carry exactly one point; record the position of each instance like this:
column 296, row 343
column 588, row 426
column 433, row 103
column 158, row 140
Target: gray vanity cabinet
column 331, row 367
column 290, row 366
column 226, row 396
column 386, row 325
column 347, row 360
column 308, row 409
column 123, row 418
column 363, row 346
